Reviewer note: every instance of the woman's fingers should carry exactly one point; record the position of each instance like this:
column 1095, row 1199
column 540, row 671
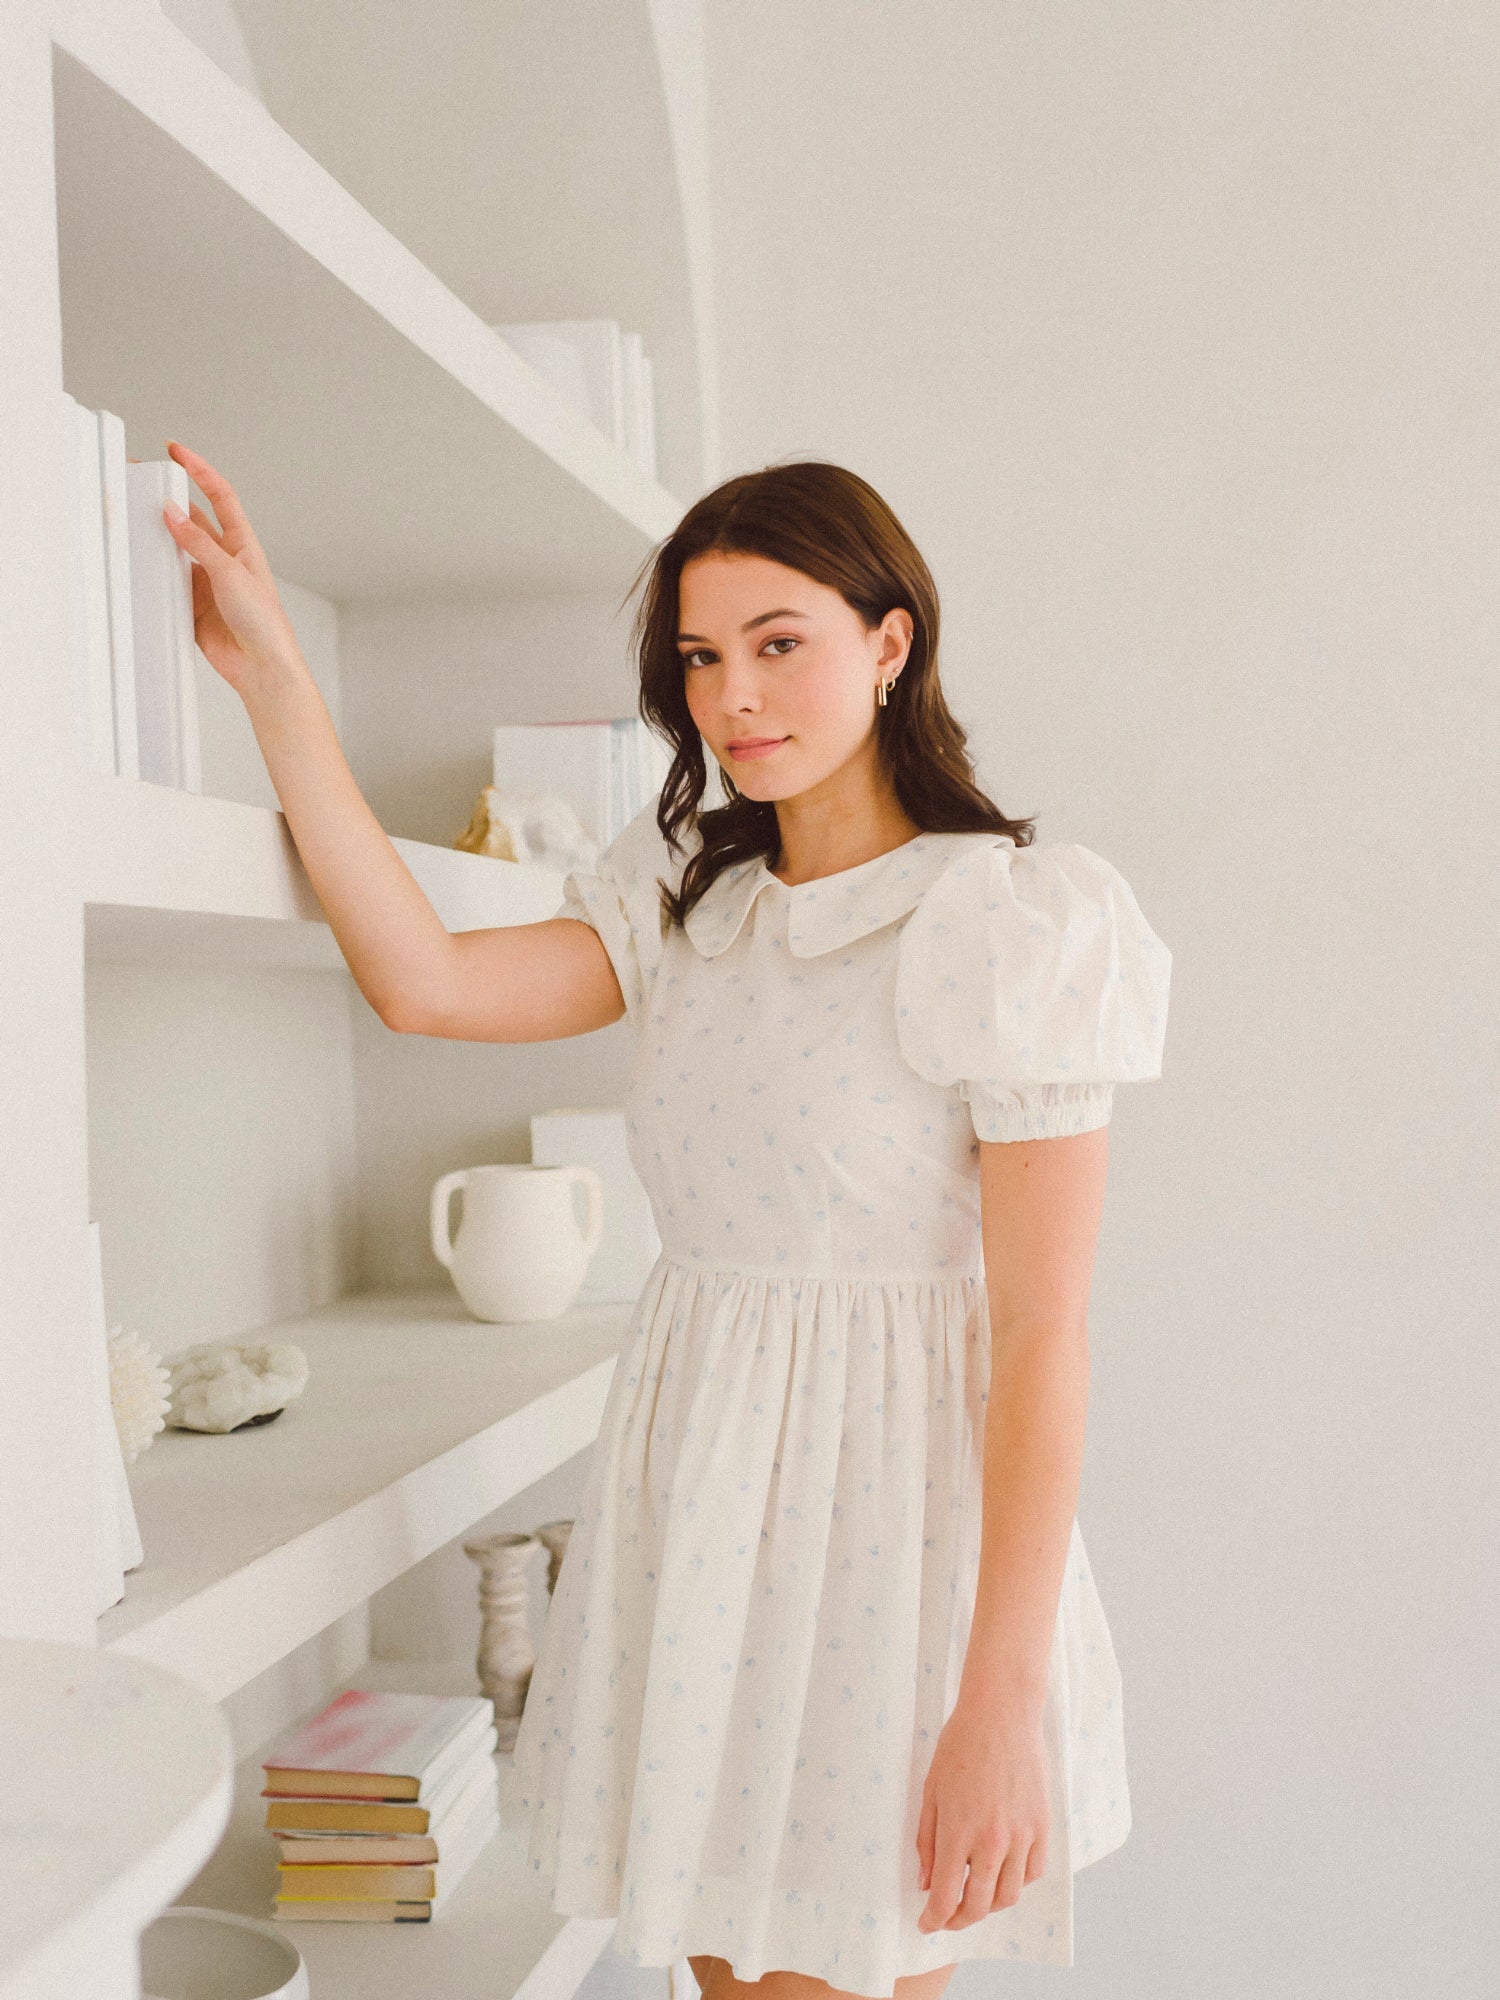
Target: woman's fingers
column 202, row 546
column 947, row 1882
column 209, row 526
column 237, row 535
column 1011, row 1878
column 979, row 1892
column 926, row 1836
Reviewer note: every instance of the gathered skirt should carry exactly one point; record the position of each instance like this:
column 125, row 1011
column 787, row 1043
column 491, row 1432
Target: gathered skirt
column 758, row 1628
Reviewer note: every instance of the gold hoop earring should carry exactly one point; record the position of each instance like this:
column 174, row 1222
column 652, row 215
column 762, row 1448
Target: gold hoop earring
column 881, row 688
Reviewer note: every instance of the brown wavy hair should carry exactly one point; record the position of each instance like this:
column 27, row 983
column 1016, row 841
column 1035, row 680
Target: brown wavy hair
column 833, row 526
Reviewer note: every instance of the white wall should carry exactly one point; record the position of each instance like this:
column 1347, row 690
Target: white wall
column 1168, row 332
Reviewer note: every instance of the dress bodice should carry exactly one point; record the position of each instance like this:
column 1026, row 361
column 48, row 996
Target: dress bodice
column 815, row 1066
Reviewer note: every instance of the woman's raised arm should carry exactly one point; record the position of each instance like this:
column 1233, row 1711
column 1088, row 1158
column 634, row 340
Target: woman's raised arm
column 520, row 983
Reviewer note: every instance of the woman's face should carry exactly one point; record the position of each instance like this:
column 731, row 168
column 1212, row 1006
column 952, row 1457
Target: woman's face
column 768, row 653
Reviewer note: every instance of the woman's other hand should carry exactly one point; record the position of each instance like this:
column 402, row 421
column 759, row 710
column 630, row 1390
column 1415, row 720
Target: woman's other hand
column 238, row 619
column 984, row 1823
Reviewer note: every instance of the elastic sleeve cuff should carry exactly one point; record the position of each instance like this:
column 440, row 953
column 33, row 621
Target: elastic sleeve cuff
column 1039, row 1110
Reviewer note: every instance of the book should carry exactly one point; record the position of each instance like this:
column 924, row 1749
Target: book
column 310, row 1845
column 369, row 1881
column 648, row 418
column 161, row 616
column 480, row 1829
column 597, row 362
column 294, row 1815
column 88, row 590
column 633, row 358
column 115, row 493
column 341, row 1812
column 370, row 1744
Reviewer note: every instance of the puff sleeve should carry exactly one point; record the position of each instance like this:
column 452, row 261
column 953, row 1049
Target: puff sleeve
column 1030, row 979
column 620, row 899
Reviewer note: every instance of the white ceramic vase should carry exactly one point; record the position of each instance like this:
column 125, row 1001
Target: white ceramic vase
column 519, row 1253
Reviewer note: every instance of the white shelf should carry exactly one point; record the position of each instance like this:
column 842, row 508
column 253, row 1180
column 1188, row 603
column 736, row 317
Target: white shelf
column 498, row 1937
column 416, row 1421
column 169, row 876
column 221, row 287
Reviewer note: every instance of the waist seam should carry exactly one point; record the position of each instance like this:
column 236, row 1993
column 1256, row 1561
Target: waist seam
column 778, row 1275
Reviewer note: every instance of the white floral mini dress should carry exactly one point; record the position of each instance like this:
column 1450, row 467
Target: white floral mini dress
column 759, row 1623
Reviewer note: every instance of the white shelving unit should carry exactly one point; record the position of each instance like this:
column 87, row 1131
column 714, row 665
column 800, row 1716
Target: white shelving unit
column 386, row 441
column 169, row 877
column 173, row 253
column 417, row 1420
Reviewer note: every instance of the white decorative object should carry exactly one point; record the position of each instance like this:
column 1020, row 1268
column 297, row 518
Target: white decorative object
column 506, row 1652
column 630, row 1244
column 519, row 1253
column 540, row 829
column 139, row 1391
column 192, row 1953
column 218, row 1386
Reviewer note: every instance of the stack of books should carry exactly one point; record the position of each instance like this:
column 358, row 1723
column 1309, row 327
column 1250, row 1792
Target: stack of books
column 608, row 770
column 379, row 1806
column 603, row 370
column 132, row 654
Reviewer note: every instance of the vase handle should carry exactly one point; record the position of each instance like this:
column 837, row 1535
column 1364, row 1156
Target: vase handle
column 442, row 1239
column 593, row 1207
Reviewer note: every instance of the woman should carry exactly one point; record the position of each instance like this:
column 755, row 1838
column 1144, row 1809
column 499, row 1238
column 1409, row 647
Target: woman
column 825, row 1698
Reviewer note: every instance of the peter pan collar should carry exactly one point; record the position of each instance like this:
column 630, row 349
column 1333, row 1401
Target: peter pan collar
column 835, row 909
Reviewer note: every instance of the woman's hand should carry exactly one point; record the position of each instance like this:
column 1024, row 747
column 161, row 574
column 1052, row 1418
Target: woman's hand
column 238, row 619
column 984, row 1808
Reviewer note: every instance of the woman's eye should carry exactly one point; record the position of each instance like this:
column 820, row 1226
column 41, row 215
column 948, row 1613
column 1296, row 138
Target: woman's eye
column 787, row 639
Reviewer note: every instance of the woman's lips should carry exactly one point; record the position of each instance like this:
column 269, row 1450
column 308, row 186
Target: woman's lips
column 756, row 749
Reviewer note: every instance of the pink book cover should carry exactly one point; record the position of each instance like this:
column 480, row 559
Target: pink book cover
column 394, row 1735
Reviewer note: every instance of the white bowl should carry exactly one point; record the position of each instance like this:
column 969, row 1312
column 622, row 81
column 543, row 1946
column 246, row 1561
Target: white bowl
column 195, row 1954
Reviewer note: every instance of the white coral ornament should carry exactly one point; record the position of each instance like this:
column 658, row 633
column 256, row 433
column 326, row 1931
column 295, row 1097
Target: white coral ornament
column 139, row 1391
column 217, row 1386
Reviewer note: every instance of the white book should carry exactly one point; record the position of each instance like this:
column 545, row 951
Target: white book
column 633, row 356
column 621, row 773
column 601, row 360
column 113, row 466
column 468, row 1843
column 648, row 417
column 629, row 1244
column 653, row 761
column 556, row 357
column 88, row 589
column 161, row 599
